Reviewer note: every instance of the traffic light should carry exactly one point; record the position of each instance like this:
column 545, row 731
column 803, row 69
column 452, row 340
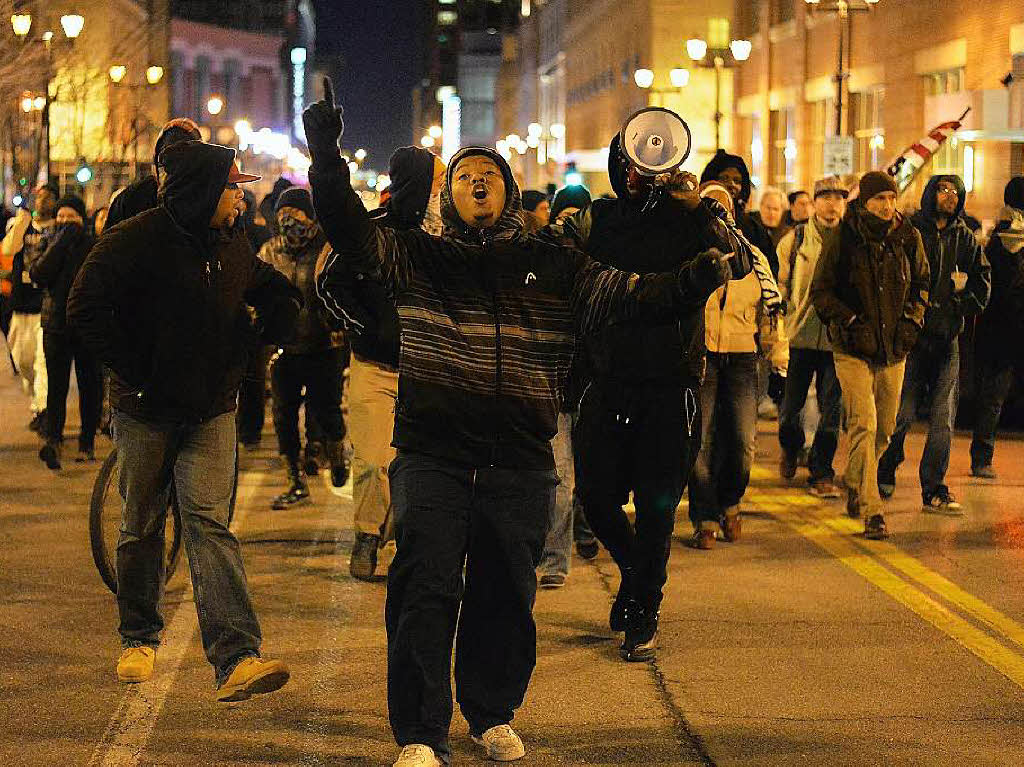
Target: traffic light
column 84, row 174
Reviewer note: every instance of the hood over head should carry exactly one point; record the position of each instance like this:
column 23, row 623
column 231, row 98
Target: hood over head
column 532, row 198
column 1013, row 194
column 196, row 174
column 618, row 168
column 931, row 192
column 720, row 162
column 573, row 196
column 510, row 224
column 412, row 174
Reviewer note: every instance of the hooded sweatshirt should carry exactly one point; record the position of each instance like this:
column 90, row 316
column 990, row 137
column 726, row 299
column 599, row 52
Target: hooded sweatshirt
column 952, row 248
column 488, row 318
column 161, row 299
column 1002, row 324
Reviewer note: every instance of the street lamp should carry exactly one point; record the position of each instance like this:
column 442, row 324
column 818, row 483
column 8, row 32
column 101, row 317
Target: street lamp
column 360, row 155
column 427, row 141
column 117, row 72
column 72, row 24
column 842, row 9
column 21, row 23
column 215, row 105
column 154, row 74
column 679, row 77
column 434, row 131
column 718, row 58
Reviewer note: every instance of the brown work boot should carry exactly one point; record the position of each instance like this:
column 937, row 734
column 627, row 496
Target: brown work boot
column 732, row 525
column 253, row 676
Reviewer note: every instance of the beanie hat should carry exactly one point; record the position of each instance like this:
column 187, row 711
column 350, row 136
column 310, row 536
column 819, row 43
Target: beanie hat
column 875, row 182
column 1013, row 195
column 532, row 198
column 174, row 132
column 74, row 202
column 296, row 197
column 719, row 163
column 574, row 196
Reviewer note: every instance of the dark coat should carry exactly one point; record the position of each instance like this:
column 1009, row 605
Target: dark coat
column 1001, row 326
column 871, row 292
column 56, row 270
column 137, row 197
column 161, row 299
column 953, row 245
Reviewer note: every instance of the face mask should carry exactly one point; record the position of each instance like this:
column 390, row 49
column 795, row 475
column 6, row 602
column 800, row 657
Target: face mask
column 297, row 234
column 432, row 221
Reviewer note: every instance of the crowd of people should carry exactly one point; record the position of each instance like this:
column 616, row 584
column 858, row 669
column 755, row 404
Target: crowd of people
column 518, row 365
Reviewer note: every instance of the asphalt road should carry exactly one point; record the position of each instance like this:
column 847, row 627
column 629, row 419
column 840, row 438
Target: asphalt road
column 800, row 644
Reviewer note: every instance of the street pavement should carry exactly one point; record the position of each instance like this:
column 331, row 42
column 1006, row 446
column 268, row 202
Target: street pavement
column 802, row 643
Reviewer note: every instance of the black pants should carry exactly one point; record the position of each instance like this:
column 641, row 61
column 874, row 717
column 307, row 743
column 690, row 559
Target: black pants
column 252, row 396
column 493, row 523
column 643, row 439
column 61, row 349
column 996, row 374
column 321, row 376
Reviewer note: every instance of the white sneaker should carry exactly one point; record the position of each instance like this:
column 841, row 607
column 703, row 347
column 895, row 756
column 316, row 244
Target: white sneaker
column 417, row 755
column 502, row 743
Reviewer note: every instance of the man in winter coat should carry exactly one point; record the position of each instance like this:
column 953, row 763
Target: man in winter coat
column 488, row 319
column 55, row 272
column 313, row 358
column 367, row 312
column 142, row 195
column 810, row 353
column 731, row 170
column 161, row 300
column 24, row 243
column 639, row 427
column 1000, row 327
column 870, row 288
column 960, row 287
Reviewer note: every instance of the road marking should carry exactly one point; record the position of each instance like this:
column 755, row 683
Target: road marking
column 839, row 537
column 131, row 725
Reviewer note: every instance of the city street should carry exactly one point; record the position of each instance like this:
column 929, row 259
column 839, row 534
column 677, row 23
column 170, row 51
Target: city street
column 801, row 644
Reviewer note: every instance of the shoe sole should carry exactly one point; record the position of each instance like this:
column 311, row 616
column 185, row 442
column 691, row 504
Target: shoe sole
column 638, row 656
column 511, row 756
column 280, row 507
column 359, row 573
column 887, row 491
column 552, row 586
column 944, row 512
column 270, row 681
column 126, row 679
column 830, row 496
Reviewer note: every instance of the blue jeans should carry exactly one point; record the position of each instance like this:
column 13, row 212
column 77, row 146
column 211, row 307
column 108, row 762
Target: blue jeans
column 199, row 462
column 728, row 400
column 490, row 525
column 936, row 370
column 803, row 365
column 558, row 546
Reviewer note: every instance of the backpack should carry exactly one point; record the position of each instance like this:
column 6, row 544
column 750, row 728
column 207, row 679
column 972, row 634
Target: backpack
column 799, row 232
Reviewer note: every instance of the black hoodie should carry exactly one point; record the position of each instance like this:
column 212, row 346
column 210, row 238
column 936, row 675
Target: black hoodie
column 161, row 299
column 488, row 318
column 953, row 245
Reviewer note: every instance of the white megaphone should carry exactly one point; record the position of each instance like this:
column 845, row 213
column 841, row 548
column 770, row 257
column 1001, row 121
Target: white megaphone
column 655, row 141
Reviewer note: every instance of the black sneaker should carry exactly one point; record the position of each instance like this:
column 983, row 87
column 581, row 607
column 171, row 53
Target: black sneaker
column 50, row 455
column 983, row 471
column 787, row 465
column 587, row 549
column 38, row 422
column 552, row 581
column 339, row 474
column 875, row 529
column 618, row 617
column 943, row 502
column 886, row 481
column 641, row 642
column 363, row 561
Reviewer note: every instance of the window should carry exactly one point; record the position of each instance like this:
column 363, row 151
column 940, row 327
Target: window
column 821, row 124
column 781, row 127
column 948, row 81
column 447, row 17
column 867, row 113
column 748, row 19
column 783, row 11
column 1017, row 96
column 750, row 136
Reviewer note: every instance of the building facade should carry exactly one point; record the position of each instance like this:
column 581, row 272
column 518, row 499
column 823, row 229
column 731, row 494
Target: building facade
column 907, row 67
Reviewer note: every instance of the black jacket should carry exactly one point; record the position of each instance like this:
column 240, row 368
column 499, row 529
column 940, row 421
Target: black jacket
column 1001, row 326
column 137, row 197
column 366, row 309
column 632, row 351
column 161, row 299
column 955, row 244
column 488, row 318
column 870, row 289
column 55, row 272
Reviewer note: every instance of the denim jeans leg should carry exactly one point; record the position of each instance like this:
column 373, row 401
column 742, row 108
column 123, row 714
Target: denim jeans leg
column 737, row 414
column 145, row 456
column 703, row 480
column 204, row 476
column 830, row 408
column 558, row 546
column 798, row 381
column 945, row 387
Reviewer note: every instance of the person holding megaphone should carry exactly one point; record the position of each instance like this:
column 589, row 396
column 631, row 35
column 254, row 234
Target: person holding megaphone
column 488, row 319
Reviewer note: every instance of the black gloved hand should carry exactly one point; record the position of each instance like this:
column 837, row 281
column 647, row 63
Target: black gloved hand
column 279, row 326
column 324, row 126
column 705, row 274
column 776, row 387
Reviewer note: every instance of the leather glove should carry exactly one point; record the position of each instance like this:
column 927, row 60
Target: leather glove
column 705, row 274
column 324, row 127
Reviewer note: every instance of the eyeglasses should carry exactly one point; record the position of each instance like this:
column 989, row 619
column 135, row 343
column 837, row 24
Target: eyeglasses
column 947, row 190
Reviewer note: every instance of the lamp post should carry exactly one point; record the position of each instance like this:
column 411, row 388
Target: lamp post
column 679, row 77
column 842, row 9
column 153, row 75
column 717, row 58
column 72, row 24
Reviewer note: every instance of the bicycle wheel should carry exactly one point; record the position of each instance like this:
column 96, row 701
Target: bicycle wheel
column 105, row 525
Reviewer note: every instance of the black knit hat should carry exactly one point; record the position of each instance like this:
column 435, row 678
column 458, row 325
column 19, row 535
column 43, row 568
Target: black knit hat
column 532, row 198
column 573, row 196
column 1013, row 195
column 296, row 197
column 875, row 182
column 175, row 132
column 74, row 202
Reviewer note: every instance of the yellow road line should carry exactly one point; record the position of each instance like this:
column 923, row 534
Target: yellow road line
column 836, row 536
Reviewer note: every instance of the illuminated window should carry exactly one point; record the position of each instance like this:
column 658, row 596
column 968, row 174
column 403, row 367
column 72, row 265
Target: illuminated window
column 867, row 119
column 822, row 124
column 782, row 130
column 447, row 17
column 948, row 81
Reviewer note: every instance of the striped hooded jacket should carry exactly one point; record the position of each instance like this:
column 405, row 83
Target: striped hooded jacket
column 488, row 317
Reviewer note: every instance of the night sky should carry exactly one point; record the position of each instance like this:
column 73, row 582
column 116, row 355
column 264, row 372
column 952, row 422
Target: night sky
column 381, row 51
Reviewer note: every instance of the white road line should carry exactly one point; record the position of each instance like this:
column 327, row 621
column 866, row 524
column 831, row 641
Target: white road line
column 130, row 727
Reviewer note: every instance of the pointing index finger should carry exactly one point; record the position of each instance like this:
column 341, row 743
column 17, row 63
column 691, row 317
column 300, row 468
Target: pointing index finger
column 328, row 91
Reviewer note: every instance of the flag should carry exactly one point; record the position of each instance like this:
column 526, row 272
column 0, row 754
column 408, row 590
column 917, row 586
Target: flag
column 906, row 167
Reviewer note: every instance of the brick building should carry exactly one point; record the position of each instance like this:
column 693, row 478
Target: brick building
column 910, row 65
